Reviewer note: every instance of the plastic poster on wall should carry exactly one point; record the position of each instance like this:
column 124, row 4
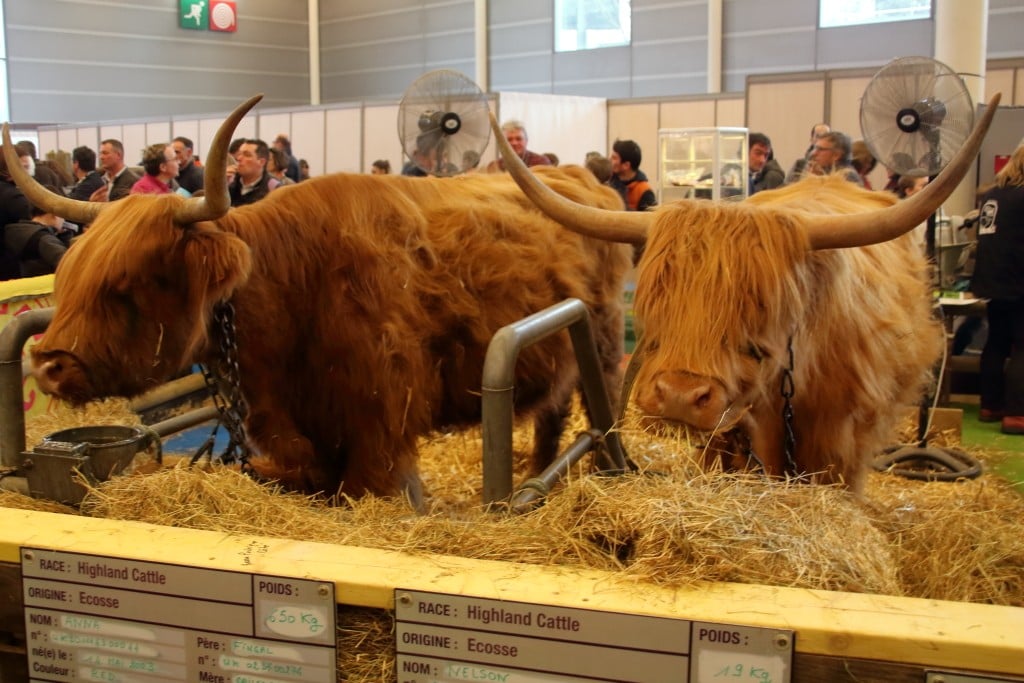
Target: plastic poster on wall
column 208, row 15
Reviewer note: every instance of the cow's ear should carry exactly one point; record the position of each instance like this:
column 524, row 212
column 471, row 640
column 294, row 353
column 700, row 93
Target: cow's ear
column 219, row 261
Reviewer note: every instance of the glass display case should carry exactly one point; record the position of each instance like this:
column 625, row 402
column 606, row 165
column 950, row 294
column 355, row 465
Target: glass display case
column 703, row 163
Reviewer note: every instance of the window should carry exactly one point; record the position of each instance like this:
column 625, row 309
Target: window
column 852, row 12
column 589, row 24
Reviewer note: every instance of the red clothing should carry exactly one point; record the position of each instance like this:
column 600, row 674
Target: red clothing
column 149, row 184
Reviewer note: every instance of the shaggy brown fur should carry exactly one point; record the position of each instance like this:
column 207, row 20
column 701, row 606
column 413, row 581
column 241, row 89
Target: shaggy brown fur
column 721, row 289
column 364, row 308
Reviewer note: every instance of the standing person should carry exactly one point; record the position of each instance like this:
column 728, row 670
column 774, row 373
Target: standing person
column 277, row 162
column 630, row 182
column 250, row 181
column 161, row 168
column 515, row 133
column 190, row 176
column 999, row 277
column 864, row 162
column 627, row 178
column 117, row 178
column 284, row 144
column 765, row 172
column 380, row 167
column 87, row 178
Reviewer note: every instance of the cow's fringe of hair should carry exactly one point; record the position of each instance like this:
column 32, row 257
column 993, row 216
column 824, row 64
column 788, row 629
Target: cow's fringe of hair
column 740, row 280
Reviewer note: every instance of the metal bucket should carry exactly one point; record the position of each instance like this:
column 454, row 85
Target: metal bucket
column 98, row 453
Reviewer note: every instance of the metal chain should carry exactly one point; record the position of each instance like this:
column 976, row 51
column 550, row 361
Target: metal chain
column 788, row 436
column 226, row 377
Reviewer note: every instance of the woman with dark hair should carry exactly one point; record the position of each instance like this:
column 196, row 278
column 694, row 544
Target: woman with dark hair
column 380, row 167
column 999, row 277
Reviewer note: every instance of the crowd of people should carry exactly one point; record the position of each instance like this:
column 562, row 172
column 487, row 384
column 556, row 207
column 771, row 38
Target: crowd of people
column 34, row 241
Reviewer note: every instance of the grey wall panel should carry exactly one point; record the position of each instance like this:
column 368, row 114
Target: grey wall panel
column 505, row 12
column 527, row 73
column 1005, row 28
column 677, row 59
column 389, row 84
column 534, row 36
column 604, row 88
column 757, row 53
column 96, row 60
column 571, row 67
column 350, row 58
column 376, row 49
column 658, row 85
column 669, row 21
column 82, row 60
column 874, row 44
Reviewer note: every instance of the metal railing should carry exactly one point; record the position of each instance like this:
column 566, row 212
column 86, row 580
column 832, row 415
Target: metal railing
column 497, row 407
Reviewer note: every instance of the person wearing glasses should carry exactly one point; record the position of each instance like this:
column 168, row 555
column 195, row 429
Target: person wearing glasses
column 832, row 154
column 161, row 168
column 797, row 169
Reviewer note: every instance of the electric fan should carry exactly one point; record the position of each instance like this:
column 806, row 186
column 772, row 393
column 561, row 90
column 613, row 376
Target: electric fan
column 915, row 114
column 443, row 122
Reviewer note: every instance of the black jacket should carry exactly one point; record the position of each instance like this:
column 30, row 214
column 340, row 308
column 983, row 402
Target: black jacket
column 14, row 207
column 999, row 264
column 261, row 190
column 36, row 246
column 84, row 188
column 191, row 178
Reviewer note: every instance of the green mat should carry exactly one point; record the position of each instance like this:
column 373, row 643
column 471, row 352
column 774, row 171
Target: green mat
column 988, row 435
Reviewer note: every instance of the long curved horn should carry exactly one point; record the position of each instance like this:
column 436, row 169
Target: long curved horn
column 613, row 226
column 216, row 200
column 862, row 229
column 51, row 202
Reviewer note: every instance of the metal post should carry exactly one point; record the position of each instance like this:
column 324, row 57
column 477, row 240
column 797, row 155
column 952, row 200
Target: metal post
column 12, row 409
column 499, row 380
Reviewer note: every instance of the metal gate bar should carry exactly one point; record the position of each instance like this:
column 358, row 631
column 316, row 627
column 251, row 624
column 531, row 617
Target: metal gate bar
column 498, row 382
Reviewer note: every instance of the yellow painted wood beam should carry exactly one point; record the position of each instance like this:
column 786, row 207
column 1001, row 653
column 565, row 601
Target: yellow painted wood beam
column 949, row 635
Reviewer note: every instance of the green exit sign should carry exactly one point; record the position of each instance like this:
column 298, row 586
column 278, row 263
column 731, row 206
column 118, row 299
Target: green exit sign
column 208, row 15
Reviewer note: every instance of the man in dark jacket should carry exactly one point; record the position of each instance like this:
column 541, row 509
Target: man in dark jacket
column 627, row 178
column 249, row 181
column 87, row 178
column 190, row 176
column 36, row 242
column 765, row 172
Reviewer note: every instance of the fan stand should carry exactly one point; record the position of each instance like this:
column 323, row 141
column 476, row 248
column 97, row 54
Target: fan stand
column 922, row 462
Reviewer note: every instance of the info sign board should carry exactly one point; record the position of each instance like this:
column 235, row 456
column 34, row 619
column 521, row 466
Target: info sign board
column 443, row 638
column 98, row 618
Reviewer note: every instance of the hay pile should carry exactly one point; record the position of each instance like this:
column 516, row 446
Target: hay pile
column 672, row 525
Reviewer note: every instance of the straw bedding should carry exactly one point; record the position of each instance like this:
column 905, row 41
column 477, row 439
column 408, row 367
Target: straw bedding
column 671, row 524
